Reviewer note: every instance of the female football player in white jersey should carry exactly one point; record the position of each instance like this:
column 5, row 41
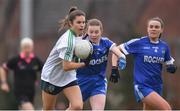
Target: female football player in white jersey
column 92, row 78
column 149, row 53
column 59, row 73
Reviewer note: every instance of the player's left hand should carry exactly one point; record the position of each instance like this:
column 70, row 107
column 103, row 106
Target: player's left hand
column 122, row 63
column 87, row 60
column 171, row 68
column 114, row 78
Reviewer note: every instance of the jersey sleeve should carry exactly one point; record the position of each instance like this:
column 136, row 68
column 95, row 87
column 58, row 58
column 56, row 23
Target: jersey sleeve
column 168, row 59
column 130, row 47
column 65, row 47
column 109, row 43
column 10, row 64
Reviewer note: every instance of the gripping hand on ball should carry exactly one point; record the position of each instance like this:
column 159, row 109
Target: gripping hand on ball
column 87, row 60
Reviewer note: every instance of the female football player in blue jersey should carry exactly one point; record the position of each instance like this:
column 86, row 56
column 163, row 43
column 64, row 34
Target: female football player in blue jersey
column 150, row 52
column 92, row 79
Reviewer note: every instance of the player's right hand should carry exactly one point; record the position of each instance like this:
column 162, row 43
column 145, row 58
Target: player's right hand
column 5, row 87
column 114, row 78
column 122, row 63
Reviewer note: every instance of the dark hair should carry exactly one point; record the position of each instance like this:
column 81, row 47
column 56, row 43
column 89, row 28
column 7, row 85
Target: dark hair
column 73, row 12
column 160, row 21
column 157, row 19
column 94, row 22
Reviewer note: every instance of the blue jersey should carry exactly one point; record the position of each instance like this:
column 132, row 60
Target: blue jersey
column 91, row 79
column 98, row 63
column 148, row 60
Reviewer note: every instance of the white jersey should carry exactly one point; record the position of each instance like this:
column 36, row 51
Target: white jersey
column 53, row 68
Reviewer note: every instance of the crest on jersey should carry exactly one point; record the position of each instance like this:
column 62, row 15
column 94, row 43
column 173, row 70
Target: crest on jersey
column 50, row 88
column 155, row 49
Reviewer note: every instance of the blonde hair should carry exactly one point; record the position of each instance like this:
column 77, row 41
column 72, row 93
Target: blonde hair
column 26, row 41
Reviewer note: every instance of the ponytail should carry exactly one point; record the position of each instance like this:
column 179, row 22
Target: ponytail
column 160, row 35
column 73, row 12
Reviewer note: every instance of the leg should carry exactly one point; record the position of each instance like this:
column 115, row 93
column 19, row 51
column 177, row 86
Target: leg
column 147, row 107
column 155, row 101
column 98, row 102
column 49, row 101
column 26, row 106
column 25, row 99
column 74, row 96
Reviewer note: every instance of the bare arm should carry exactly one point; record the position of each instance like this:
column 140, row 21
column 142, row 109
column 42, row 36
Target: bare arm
column 117, row 53
column 67, row 66
column 114, row 60
column 3, row 77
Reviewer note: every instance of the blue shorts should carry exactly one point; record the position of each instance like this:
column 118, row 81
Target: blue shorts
column 92, row 85
column 142, row 91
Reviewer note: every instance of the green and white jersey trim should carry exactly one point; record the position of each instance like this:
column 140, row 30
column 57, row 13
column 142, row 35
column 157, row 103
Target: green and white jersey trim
column 68, row 54
column 53, row 68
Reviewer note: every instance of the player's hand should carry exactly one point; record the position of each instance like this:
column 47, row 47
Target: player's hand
column 87, row 60
column 114, row 78
column 5, row 87
column 122, row 63
column 76, row 59
column 171, row 68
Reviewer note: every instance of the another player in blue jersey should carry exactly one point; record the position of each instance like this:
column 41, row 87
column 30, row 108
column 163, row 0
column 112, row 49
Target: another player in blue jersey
column 150, row 52
column 92, row 79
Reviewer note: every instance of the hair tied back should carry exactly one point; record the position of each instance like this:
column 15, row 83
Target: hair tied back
column 72, row 9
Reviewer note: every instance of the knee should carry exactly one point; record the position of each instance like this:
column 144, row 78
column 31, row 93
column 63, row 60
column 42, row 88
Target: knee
column 26, row 106
column 167, row 107
column 77, row 106
column 48, row 107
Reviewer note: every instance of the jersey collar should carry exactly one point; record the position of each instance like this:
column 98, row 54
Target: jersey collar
column 73, row 32
column 153, row 42
column 27, row 59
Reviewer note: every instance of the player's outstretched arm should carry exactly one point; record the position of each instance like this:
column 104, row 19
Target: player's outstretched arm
column 118, row 58
column 67, row 65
